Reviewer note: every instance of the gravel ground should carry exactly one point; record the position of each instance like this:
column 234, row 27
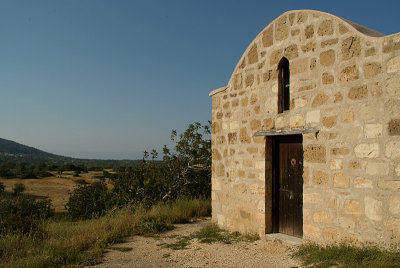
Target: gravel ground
column 149, row 252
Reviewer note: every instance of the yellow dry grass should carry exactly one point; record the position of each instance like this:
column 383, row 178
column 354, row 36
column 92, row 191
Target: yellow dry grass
column 57, row 188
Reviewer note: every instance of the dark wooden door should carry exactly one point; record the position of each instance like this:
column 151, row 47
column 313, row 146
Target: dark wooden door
column 289, row 191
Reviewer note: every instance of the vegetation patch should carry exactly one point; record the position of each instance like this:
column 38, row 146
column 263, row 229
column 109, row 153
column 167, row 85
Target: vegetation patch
column 347, row 256
column 121, row 249
column 210, row 234
column 79, row 243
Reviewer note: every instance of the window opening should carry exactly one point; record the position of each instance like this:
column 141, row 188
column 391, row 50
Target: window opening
column 284, row 86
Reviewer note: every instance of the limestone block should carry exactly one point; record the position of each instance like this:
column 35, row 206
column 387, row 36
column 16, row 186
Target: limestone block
column 394, row 127
column 247, row 162
column 307, row 87
column 393, row 225
column 329, row 42
column 309, row 31
column 253, row 98
column 313, row 117
column 373, row 208
column 255, row 124
column 270, row 75
column 221, row 219
column 393, row 65
column 240, row 188
column 354, row 165
column 327, row 79
column 367, row 150
column 296, row 121
column 360, row 182
column 375, row 168
column 243, row 136
column 268, row 123
column 312, row 198
column 237, row 81
column 275, row 56
column 349, row 73
column 319, row 100
column 322, row 217
column 327, row 58
column 348, row 116
column 216, row 155
column 358, row 93
column 232, row 138
column 397, row 170
column 253, row 55
column 281, row 29
column 352, row 207
column 370, row 52
column 389, row 185
column 371, row 69
column 257, row 189
column 291, row 52
column 392, row 149
column 260, row 164
column 341, row 181
column 338, row 97
column 343, row 29
column 336, row 163
column 299, row 66
column 325, row 28
column 351, row 47
column 244, row 214
column 392, row 107
column 329, row 121
column 309, row 47
column 340, row 151
column 372, row 130
column 220, row 170
column 313, row 63
column 394, row 205
column 267, row 38
column 320, row 177
column 315, row 153
column 249, row 80
column 300, row 102
column 252, row 150
column 234, row 125
column 331, row 235
column 216, row 185
column 311, row 232
column 346, row 223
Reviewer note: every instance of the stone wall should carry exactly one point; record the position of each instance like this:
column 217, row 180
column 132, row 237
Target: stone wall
column 344, row 81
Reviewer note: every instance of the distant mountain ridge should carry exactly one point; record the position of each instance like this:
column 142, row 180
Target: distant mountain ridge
column 14, row 151
column 11, row 150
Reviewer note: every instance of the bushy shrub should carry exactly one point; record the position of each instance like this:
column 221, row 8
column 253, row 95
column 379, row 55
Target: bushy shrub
column 20, row 213
column 18, row 188
column 88, row 201
column 184, row 171
column 2, row 187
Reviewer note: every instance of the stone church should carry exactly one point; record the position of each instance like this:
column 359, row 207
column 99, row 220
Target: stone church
column 306, row 134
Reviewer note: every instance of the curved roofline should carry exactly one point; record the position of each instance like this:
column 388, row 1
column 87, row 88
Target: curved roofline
column 357, row 27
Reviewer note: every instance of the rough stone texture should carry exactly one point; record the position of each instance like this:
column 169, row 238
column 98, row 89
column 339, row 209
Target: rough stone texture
column 253, row 55
column 351, row 47
column 327, row 58
column 349, row 73
column 343, row 83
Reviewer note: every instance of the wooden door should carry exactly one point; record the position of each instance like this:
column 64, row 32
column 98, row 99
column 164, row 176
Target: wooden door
column 289, row 185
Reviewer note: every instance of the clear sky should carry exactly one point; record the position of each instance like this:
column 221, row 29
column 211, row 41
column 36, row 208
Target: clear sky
column 110, row 79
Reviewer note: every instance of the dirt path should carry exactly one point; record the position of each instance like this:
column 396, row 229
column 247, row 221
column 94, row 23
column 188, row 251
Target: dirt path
column 149, row 252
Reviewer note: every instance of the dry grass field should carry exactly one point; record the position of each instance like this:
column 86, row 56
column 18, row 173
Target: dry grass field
column 57, row 188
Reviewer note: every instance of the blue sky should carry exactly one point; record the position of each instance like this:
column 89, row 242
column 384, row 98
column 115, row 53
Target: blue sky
column 110, row 79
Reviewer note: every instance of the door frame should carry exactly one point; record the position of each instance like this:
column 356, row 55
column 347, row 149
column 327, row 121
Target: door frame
column 276, row 140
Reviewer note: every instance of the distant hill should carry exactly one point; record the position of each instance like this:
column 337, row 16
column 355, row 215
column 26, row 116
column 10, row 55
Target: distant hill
column 14, row 151
column 11, row 150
